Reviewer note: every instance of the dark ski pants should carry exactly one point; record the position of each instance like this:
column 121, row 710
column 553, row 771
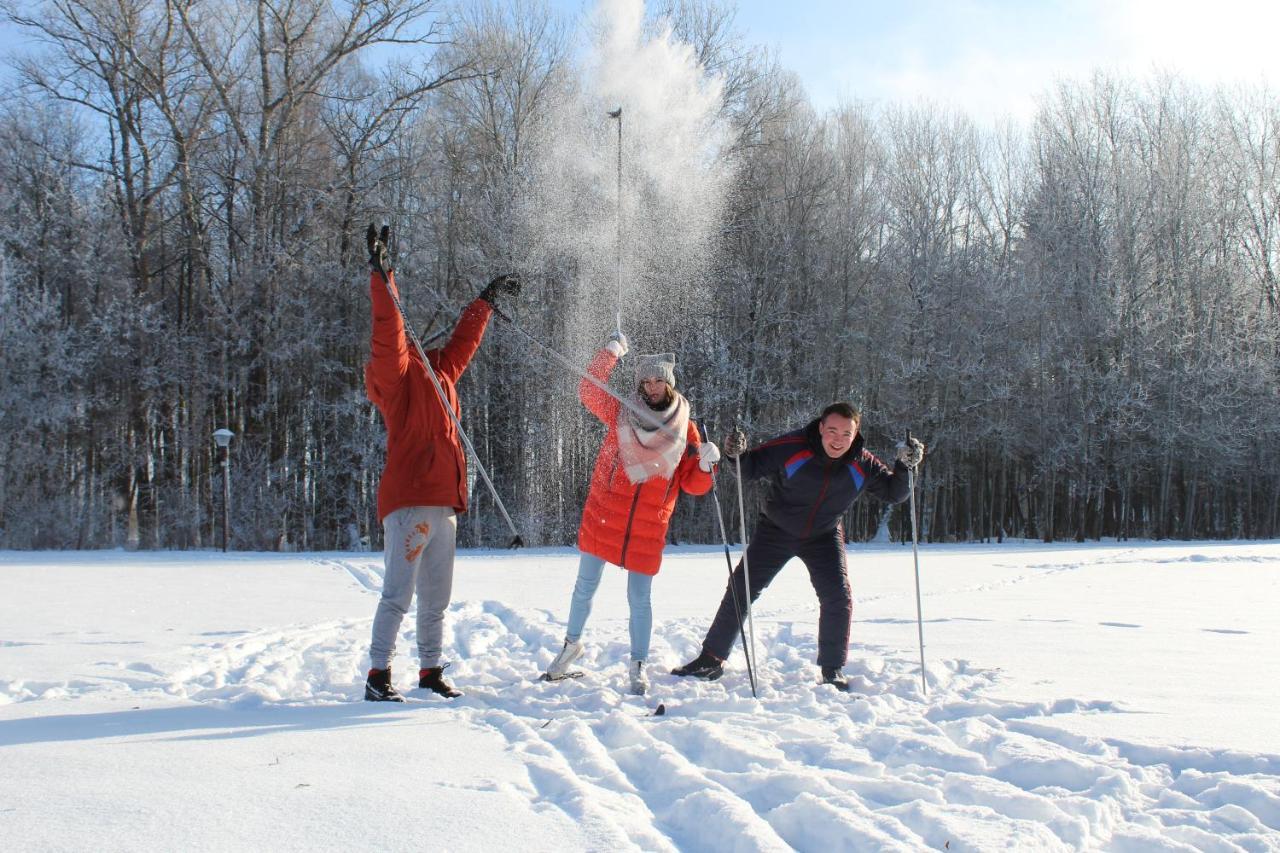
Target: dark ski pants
column 770, row 549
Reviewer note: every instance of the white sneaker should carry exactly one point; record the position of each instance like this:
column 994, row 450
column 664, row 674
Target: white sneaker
column 639, row 681
column 560, row 666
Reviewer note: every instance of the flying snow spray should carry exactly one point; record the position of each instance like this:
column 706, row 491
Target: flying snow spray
column 627, row 221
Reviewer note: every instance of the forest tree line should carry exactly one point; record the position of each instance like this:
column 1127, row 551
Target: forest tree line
column 1079, row 315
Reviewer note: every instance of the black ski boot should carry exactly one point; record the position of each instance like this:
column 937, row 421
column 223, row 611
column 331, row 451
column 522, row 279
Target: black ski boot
column 378, row 688
column 834, row 676
column 432, row 678
column 706, row 666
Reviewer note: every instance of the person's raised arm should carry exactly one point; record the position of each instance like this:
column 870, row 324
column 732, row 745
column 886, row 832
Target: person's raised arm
column 388, row 347
column 598, row 401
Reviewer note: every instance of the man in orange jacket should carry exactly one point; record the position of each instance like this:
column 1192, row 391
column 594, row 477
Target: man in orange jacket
column 424, row 482
column 651, row 451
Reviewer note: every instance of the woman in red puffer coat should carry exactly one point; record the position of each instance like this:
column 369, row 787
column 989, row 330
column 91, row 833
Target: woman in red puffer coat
column 650, row 453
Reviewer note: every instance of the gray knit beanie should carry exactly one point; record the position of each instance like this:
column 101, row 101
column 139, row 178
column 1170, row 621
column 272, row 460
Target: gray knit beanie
column 657, row 366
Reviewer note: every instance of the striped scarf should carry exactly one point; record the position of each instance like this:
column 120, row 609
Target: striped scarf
column 653, row 447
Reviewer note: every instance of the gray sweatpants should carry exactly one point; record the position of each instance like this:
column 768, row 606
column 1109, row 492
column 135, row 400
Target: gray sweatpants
column 419, row 557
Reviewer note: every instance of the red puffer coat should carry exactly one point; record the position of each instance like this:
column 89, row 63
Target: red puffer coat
column 622, row 523
column 425, row 463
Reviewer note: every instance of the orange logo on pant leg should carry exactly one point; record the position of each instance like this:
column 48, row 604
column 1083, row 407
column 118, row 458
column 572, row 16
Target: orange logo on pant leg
column 416, row 541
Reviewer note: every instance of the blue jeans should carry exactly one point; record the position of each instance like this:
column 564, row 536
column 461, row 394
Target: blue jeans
column 590, row 568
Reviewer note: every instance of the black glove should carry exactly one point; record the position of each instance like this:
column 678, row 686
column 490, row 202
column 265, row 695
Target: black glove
column 501, row 288
column 734, row 443
column 379, row 256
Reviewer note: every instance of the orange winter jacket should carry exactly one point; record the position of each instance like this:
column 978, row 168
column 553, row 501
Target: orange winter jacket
column 425, row 463
column 622, row 523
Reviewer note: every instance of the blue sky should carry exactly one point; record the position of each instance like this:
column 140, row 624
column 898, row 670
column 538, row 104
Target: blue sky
column 993, row 58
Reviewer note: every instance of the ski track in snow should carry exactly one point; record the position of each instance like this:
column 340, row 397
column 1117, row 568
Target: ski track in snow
column 1033, row 572
column 801, row 767
column 367, row 576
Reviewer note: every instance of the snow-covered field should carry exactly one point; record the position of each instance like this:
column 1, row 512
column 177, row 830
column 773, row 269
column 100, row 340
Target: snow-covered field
column 1119, row 696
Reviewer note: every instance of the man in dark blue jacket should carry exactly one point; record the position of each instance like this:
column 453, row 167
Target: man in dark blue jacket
column 815, row 474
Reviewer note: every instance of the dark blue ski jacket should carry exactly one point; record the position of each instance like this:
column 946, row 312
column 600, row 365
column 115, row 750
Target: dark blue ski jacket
column 808, row 490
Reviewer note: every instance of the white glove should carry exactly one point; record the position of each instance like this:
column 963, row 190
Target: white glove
column 617, row 343
column 708, row 455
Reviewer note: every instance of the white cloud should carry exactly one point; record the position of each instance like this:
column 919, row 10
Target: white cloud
column 1221, row 41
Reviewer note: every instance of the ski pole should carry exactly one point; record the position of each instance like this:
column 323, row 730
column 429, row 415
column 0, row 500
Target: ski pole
column 733, row 589
column 915, row 553
column 640, row 412
column 551, row 354
column 618, row 215
column 746, row 568
column 516, row 541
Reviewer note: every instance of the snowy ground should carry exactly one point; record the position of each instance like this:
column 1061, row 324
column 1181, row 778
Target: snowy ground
column 1116, row 696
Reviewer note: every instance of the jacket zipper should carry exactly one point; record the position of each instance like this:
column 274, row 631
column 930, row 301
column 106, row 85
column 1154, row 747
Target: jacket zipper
column 670, row 485
column 613, row 470
column 826, row 479
column 626, row 539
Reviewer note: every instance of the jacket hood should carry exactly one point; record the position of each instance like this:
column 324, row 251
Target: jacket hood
column 814, row 440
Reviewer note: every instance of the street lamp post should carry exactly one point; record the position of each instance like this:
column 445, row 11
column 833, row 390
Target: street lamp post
column 223, row 438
